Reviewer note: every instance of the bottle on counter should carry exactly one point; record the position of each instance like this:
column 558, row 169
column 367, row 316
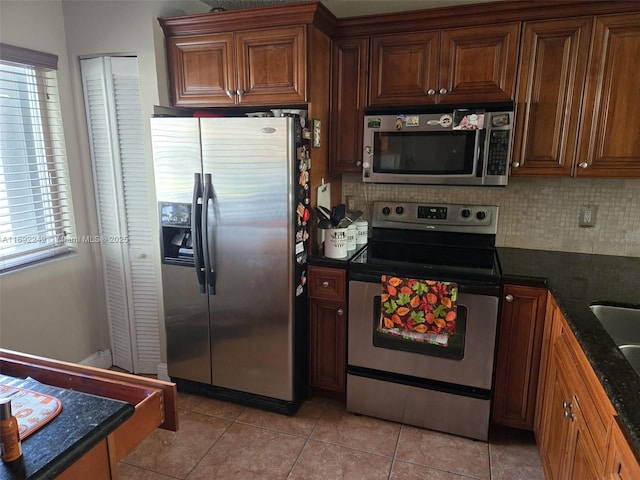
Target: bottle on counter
column 10, row 445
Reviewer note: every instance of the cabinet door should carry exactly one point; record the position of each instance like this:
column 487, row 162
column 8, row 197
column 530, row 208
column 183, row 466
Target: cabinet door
column 404, row 68
column 328, row 351
column 582, row 462
column 556, row 430
column 552, row 73
column 349, row 65
column 609, row 144
column 518, row 355
column 271, row 66
column 621, row 464
column 479, row 64
column 202, row 69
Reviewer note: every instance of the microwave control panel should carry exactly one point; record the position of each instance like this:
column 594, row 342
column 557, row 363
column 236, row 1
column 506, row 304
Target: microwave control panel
column 498, row 155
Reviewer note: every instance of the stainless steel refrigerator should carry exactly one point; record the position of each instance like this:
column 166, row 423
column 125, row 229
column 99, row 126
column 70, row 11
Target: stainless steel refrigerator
column 233, row 200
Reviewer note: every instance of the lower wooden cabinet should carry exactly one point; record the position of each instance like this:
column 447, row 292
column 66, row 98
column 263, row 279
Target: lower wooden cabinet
column 575, row 425
column 518, row 355
column 327, row 331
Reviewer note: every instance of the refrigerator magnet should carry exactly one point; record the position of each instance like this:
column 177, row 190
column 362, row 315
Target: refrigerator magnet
column 317, row 130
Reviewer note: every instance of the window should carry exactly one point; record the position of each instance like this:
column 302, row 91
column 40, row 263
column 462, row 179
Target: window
column 35, row 203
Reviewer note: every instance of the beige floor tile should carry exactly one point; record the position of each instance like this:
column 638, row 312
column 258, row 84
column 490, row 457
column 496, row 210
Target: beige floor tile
column 176, row 453
column 442, row 451
column 302, row 423
column 324, row 461
column 514, row 455
column 410, row 471
column 246, row 452
column 209, row 406
column 359, row 432
column 129, row 472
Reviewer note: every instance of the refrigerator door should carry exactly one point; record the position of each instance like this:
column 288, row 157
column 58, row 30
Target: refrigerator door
column 177, row 157
column 250, row 240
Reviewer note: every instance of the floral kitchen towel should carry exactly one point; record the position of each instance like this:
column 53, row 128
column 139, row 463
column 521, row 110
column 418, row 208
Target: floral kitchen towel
column 419, row 310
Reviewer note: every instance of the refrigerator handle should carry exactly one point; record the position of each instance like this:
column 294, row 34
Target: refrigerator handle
column 209, row 264
column 196, row 234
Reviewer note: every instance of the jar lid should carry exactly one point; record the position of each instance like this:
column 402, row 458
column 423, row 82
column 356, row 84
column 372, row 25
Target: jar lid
column 5, row 408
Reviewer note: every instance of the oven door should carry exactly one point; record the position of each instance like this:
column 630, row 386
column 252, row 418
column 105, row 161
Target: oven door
column 467, row 362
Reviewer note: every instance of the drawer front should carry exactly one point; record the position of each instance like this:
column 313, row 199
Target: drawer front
column 327, row 283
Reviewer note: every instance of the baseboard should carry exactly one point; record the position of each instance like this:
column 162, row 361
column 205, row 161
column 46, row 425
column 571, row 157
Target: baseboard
column 163, row 372
column 100, row 359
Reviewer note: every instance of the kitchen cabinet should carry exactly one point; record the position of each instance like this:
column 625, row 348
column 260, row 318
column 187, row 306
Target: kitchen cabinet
column 476, row 64
column 609, row 142
column 327, row 331
column 574, row 417
column 155, row 404
column 349, row 74
column 621, row 463
column 553, row 64
column 255, row 67
column 518, row 355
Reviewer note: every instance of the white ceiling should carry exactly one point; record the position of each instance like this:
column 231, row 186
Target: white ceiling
column 349, row 8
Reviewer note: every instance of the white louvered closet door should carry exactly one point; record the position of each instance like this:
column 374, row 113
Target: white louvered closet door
column 125, row 213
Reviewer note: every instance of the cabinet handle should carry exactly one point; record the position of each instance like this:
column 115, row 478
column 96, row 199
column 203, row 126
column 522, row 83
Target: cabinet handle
column 443, row 91
column 240, row 92
column 583, row 164
column 358, row 163
column 431, row 91
column 230, row 93
column 325, row 284
column 566, row 405
column 515, row 164
column 340, row 311
column 509, row 298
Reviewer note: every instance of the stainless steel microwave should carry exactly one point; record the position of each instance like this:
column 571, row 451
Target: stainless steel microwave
column 456, row 147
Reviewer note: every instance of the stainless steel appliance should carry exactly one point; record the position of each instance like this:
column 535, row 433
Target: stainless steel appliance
column 233, row 202
column 442, row 146
column 424, row 384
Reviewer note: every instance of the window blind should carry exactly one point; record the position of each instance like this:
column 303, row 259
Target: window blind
column 35, row 203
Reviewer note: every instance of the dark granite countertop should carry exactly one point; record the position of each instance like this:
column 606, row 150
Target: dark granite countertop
column 577, row 280
column 322, row 261
column 82, row 423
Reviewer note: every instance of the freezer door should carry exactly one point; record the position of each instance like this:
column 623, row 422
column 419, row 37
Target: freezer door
column 250, row 235
column 176, row 157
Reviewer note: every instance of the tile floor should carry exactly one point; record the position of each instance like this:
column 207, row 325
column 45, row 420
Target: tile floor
column 219, row 440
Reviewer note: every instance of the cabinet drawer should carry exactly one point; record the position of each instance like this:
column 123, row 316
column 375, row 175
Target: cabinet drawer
column 327, row 283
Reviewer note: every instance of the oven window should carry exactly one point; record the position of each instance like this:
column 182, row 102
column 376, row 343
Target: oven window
column 450, row 152
column 453, row 350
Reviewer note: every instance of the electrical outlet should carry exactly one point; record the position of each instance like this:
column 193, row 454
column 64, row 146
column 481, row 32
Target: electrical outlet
column 588, row 216
column 350, row 200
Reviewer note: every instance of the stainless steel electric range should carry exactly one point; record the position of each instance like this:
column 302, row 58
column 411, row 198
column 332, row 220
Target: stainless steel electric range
column 440, row 385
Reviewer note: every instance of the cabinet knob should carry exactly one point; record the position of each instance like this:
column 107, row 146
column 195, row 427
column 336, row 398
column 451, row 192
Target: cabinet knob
column 583, row 164
column 431, row 91
column 325, row 284
column 509, row 298
column 515, row 164
column 240, row 92
column 230, row 93
column 443, row 91
column 340, row 312
column 358, row 163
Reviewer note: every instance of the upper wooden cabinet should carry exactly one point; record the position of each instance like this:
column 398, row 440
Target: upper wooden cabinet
column 456, row 65
column 553, row 63
column 349, row 66
column 257, row 67
column 609, row 144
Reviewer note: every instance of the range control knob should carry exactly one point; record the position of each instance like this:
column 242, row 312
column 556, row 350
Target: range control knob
column 399, row 210
column 386, row 211
column 466, row 213
column 481, row 215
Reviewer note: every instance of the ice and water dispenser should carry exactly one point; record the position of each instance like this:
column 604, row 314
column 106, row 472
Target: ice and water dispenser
column 175, row 224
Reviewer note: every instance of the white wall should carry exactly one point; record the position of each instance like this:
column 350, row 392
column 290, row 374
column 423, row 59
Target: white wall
column 58, row 309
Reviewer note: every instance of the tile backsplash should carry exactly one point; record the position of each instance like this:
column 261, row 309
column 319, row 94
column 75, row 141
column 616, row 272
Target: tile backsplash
column 536, row 213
